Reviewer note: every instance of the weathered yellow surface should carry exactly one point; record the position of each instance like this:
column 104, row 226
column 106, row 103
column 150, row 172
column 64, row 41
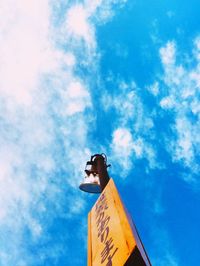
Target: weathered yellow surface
column 89, row 241
column 110, row 238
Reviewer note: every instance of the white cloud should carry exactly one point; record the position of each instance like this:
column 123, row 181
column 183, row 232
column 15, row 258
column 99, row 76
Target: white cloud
column 24, row 48
column 131, row 139
column 178, row 92
column 125, row 149
column 122, row 144
column 34, row 77
column 184, row 148
column 77, row 98
column 197, row 48
column 81, row 18
column 45, row 113
column 154, row 88
column 182, row 86
column 78, row 23
column 168, row 54
column 167, row 103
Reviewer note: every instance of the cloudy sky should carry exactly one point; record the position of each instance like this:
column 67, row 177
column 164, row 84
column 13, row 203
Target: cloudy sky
column 82, row 77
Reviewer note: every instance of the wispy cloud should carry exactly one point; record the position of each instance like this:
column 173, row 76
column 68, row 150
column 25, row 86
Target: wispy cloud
column 161, row 121
column 182, row 99
column 168, row 53
column 133, row 132
column 48, row 58
column 45, row 113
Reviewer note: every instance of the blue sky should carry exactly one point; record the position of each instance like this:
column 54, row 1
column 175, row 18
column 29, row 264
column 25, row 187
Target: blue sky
column 82, row 77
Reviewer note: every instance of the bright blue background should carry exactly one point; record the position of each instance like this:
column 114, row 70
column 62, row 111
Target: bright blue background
column 160, row 186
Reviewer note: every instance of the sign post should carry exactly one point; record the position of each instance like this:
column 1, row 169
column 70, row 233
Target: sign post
column 112, row 238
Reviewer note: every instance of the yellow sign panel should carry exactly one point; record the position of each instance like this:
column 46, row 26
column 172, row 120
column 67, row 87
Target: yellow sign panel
column 110, row 238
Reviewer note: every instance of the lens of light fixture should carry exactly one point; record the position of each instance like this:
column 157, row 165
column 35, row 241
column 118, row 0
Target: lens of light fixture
column 91, row 184
column 90, row 188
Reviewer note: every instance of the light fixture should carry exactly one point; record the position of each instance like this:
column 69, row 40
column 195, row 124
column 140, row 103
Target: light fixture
column 96, row 174
column 91, row 181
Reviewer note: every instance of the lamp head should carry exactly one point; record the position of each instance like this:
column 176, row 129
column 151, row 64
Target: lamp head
column 91, row 184
column 95, row 170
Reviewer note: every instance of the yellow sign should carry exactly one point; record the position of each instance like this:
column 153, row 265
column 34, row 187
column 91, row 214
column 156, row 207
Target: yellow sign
column 110, row 237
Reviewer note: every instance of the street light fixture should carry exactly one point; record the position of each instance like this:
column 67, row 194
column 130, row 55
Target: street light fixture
column 97, row 176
